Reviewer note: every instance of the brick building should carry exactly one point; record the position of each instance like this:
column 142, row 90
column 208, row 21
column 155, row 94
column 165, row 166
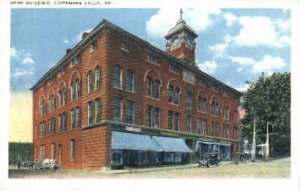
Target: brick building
column 116, row 100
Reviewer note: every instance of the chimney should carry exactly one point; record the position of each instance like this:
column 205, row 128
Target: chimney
column 85, row 34
column 68, row 50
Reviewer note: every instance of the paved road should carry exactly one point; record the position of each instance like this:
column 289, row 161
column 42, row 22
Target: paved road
column 277, row 168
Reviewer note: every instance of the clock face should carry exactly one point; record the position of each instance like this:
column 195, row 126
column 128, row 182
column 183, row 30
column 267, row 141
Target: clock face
column 175, row 41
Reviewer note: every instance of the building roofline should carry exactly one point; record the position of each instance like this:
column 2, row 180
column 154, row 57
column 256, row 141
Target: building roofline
column 104, row 23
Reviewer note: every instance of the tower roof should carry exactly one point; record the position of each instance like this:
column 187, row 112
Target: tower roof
column 181, row 25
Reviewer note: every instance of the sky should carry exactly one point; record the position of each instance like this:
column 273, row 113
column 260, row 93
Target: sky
column 233, row 45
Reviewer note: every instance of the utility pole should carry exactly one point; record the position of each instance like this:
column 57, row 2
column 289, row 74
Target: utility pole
column 253, row 140
column 267, row 142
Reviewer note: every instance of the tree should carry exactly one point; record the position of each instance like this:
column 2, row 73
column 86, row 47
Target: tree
column 269, row 99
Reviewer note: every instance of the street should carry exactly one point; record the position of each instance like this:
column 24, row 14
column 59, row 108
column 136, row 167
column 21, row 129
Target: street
column 274, row 168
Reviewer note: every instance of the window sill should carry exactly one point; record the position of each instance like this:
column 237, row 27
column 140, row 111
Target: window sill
column 125, row 50
column 152, row 98
column 174, row 104
column 157, row 64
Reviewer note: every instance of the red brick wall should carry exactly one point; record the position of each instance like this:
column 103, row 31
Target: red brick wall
column 93, row 144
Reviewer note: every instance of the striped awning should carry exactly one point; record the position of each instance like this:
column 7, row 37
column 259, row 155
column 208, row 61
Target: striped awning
column 169, row 144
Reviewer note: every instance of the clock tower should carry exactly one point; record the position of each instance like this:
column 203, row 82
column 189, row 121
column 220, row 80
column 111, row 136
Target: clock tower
column 181, row 41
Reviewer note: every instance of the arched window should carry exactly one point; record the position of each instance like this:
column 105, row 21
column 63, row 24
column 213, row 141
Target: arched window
column 62, row 95
column 51, row 102
column 226, row 112
column 173, row 92
column 226, row 131
column 42, row 108
column 214, row 129
column 202, row 103
column 215, row 107
column 75, row 88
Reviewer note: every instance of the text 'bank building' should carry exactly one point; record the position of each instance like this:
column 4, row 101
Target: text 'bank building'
column 115, row 100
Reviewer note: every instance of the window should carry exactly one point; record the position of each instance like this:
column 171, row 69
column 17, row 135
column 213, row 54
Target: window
column 90, row 81
column 53, row 150
column 149, row 84
column 117, row 109
column 117, row 77
column 62, row 96
column 62, row 71
column 226, row 112
column 226, row 93
column 130, row 112
column 215, row 107
column 202, row 103
column 214, row 129
column 42, row 152
column 42, row 108
column 73, row 118
column 226, row 131
column 156, row 89
column 98, row 77
column 75, row 89
column 91, row 113
column 189, row 123
column 94, row 46
column 189, row 100
column 153, row 117
column 216, row 88
column 51, row 124
column 62, row 122
column 72, row 149
column 77, row 117
column 43, row 129
column 173, row 94
column 173, row 121
column 75, row 60
column 130, row 81
column 235, row 132
column 98, row 107
column 124, row 45
column 174, row 68
column 51, row 103
column 202, row 126
column 154, row 59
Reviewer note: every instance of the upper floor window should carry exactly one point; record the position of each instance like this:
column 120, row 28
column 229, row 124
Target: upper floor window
column 226, row 93
column 153, row 117
column 43, row 129
column 53, row 150
column 173, row 94
column 94, row 46
column 75, row 118
column 90, row 83
column 51, row 124
column 42, row 152
column 94, row 111
column 130, row 81
column 174, row 68
column 152, row 88
column 226, row 131
column 62, row 122
column 189, row 100
column 62, row 96
column 215, row 107
column 173, row 121
column 235, row 132
column 91, row 112
column 75, row 89
column 98, row 107
column 98, row 74
column 62, row 71
column 202, row 126
column 226, row 112
column 75, row 60
column 124, row 45
column 216, row 88
column 189, row 123
column 117, row 77
column 117, row 109
column 214, row 129
column 154, row 59
column 72, row 149
column 51, row 103
column 202, row 103
column 130, row 112
column 42, row 107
